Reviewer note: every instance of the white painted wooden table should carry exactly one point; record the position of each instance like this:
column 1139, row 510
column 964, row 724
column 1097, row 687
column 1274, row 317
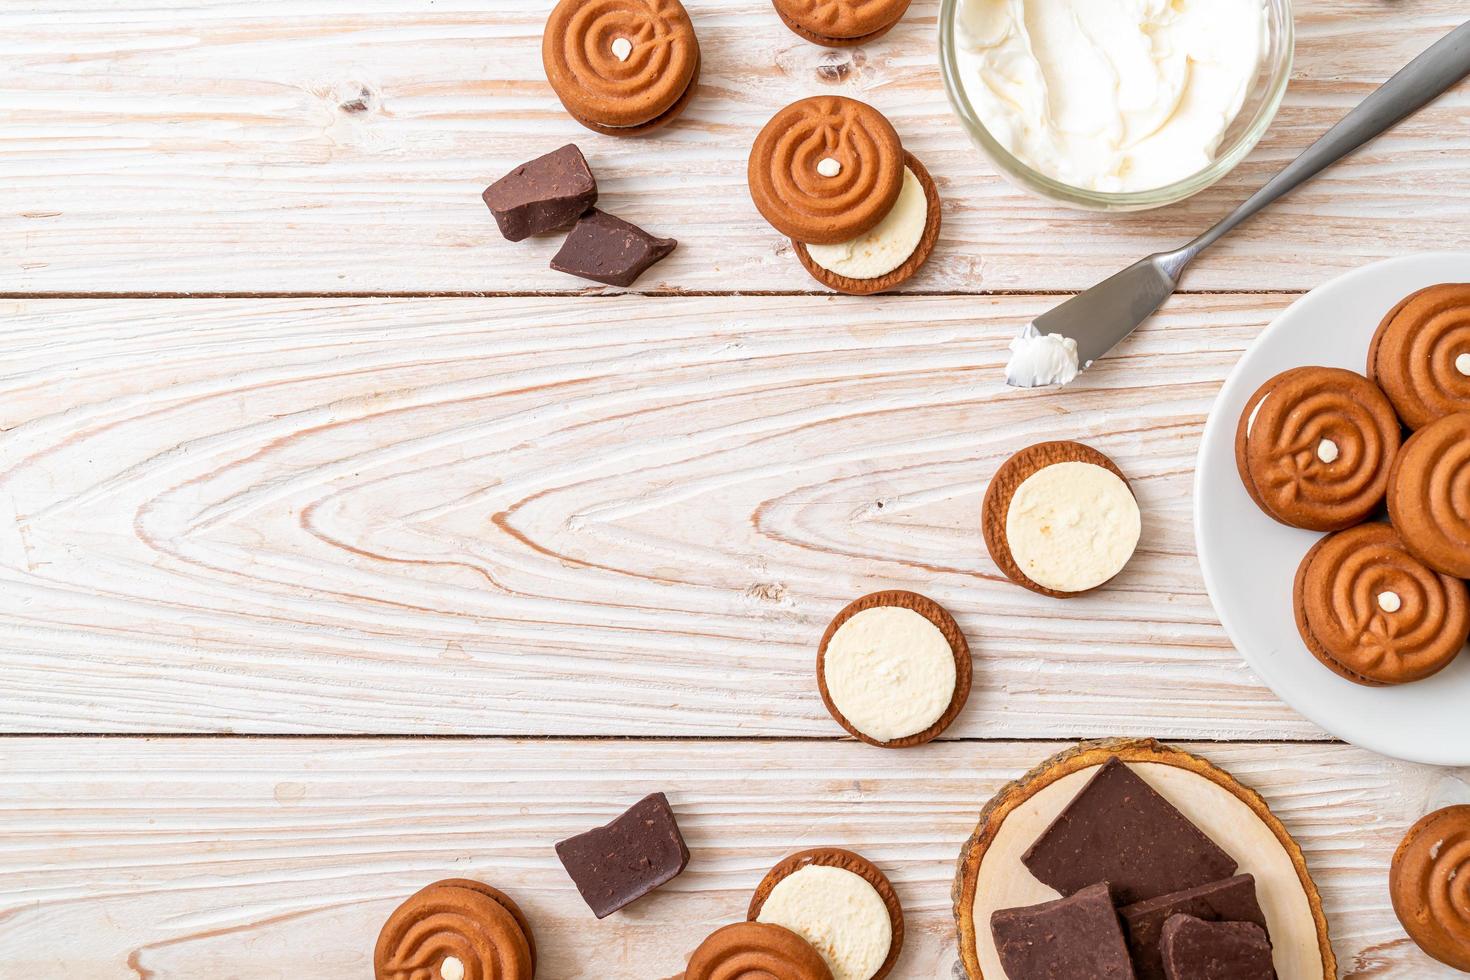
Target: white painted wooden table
column 344, row 546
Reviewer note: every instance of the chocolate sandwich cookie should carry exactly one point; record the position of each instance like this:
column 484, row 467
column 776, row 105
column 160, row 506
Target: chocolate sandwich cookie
column 756, row 951
column 1429, row 883
column 1194, row 949
column 1421, row 354
column 840, row 23
column 1374, row 613
column 840, row 903
column 1429, row 495
column 830, row 174
column 1068, row 939
column 1060, row 519
column 456, row 929
column 621, row 67
column 1314, row 446
column 894, row 669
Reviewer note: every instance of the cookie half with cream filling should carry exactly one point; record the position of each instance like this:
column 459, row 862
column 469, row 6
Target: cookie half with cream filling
column 894, row 669
column 840, row 903
column 830, row 174
column 1060, row 519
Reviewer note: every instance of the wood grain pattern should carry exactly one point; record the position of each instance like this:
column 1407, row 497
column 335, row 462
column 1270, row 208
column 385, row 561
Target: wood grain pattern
column 278, row 858
column 548, row 516
column 314, row 146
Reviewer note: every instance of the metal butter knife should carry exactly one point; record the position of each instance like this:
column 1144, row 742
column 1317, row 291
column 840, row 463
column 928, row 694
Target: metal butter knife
column 1100, row 318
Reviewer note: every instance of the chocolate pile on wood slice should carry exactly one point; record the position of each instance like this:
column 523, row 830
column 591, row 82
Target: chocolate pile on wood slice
column 1147, row 895
column 617, row 864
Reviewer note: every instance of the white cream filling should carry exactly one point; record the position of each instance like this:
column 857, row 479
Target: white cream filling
column 888, row 245
column 1327, row 451
column 1462, row 364
column 451, row 969
column 1038, row 360
column 1110, row 95
column 829, row 167
column 622, row 48
column 839, row 913
column 1072, row 526
column 890, row 672
column 1390, row 602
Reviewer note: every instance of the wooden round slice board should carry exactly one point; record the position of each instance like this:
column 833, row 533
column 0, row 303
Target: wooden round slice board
column 991, row 876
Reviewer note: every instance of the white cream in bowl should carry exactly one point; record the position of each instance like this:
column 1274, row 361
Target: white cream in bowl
column 1110, row 95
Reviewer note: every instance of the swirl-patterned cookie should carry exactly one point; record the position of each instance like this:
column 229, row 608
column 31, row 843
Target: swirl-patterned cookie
column 1421, row 354
column 826, row 169
column 756, row 951
column 1375, row 614
column 1429, row 883
column 1314, row 447
column 621, row 67
column 456, row 930
column 1429, row 494
column 840, row 23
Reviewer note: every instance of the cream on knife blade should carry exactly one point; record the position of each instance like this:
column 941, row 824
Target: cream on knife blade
column 1110, row 95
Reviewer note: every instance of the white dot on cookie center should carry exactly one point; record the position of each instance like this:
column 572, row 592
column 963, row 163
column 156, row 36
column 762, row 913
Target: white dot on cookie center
column 1462, row 364
column 1390, row 602
column 829, row 167
column 1327, row 451
column 622, row 48
column 451, row 969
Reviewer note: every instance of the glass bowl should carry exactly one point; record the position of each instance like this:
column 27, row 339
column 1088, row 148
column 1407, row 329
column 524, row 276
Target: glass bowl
column 1255, row 116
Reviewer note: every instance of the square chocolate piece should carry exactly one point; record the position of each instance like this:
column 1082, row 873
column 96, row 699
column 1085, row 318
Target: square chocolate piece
column 548, row 193
column 1119, row 830
column 1075, row 938
column 617, row 864
column 1198, row 950
column 1231, row 900
column 608, row 249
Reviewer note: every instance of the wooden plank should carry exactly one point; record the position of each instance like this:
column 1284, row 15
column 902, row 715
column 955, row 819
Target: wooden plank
column 546, row 516
column 314, row 146
column 165, row 859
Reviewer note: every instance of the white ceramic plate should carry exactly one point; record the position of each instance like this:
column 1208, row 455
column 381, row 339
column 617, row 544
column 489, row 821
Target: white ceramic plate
column 1250, row 561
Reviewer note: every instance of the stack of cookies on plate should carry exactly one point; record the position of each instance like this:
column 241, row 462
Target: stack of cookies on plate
column 1378, row 601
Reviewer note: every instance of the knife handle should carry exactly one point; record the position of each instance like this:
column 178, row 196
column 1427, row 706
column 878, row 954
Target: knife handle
column 1420, row 82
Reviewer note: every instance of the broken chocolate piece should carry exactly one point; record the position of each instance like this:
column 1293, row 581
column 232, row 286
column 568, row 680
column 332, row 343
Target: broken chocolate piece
column 1231, row 900
column 614, row 865
column 1076, row 938
column 547, row 194
column 1198, row 950
column 1119, row 830
column 608, row 249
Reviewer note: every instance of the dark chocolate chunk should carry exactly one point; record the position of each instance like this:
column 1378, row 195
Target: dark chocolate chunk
column 607, row 249
column 1198, row 950
column 1231, row 900
column 1075, row 938
column 614, row 865
column 1119, row 830
column 547, row 194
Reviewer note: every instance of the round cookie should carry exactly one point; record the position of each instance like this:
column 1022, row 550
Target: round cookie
column 1429, row 495
column 1429, row 883
column 825, row 170
column 756, row 951
column 455, row 929
column 858, row 923
column 1374, row 613
column 915, row 648
column 621, row 67
column 1421, row 354
column 1314, row 446
column 840, row 23
column 899, row 225
column 1060, row 519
